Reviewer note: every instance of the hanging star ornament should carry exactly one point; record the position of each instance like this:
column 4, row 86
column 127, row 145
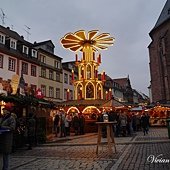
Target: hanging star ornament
column 78, row 40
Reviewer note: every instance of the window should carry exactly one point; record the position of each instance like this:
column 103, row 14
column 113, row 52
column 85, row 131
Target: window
column 42, row 58
column 43, row 72
column 57, row 64
column 25, row 49
column 43, row 89
column 2, row 39
column 34, row 53
column 57, row 93
column 1, row 61
column 11, row 64
column 13, row 43
column 58, row 77
column 51, row 91
column 24, row 68
column 70, row 79
column 51, row 75
column 33, row 70
column 65, row 78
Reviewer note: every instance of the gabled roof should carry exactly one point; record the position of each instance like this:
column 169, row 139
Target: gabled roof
column 12, row 34
column 164, row 16
column 43, row 43
column 121, row 81
column 113, row 103
column 82, row 102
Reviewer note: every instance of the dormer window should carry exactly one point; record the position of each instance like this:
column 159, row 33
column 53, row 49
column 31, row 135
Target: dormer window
column 13, row 43
column 34, row 53
column 2, row 38
column 42, row 58
column 25, row 49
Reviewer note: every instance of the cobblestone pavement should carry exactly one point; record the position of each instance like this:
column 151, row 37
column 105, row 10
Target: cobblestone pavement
column 80, row 153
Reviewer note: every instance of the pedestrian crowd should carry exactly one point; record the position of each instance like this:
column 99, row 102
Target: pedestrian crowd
column 127, row 122
column 64, row 124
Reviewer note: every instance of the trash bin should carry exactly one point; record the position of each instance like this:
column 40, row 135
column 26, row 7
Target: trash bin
column 168, row 126
column 6, row 138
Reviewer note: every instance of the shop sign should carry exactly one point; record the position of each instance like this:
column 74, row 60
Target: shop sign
column 39, row 94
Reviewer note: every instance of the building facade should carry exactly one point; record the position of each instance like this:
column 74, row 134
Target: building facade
column 159, row 55
column 36, row 63
column 69, row 74
column 50, row 79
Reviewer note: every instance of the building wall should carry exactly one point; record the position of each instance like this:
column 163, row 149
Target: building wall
column 46, row 81
column 159, row 53
column 4, row 72
column 68, row 85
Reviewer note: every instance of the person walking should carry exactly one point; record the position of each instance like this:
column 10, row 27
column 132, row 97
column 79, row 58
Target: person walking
column 144, row 123
column 8, row 125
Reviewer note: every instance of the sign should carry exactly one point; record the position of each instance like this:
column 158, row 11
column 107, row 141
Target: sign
column 39, row 94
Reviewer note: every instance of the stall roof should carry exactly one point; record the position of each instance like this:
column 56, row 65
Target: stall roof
column 113, row 103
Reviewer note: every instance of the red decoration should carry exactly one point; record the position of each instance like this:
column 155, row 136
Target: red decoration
column 93, row 56
column 68, row 94
column 39, row 94
column 76, row 58
column 104, row 76
column 72, row 75
column 107, row 95
column 110, row 93
column 99, row 58
column 83, row 55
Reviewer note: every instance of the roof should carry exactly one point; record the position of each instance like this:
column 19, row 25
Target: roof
column 165, row 14
column 113, row 103
column 96, row 102
column 121, row 81
column 12, row 34
column 43, row 43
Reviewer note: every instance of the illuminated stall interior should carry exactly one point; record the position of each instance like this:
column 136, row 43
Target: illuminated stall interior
column 158, row 115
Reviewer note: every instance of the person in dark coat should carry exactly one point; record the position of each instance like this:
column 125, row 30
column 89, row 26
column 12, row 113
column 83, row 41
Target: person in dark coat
column 7, row 123
column 31, row 125
column 76, row 124
column 82, row 124
column 144, row 123
column 57, row 124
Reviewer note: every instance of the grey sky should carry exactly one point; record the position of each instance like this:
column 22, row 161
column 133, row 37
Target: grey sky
column 128, row 21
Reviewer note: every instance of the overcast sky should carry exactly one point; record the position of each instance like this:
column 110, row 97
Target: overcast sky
column 128, row 21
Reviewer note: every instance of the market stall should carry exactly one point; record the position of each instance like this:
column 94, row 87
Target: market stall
column 158, row 115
